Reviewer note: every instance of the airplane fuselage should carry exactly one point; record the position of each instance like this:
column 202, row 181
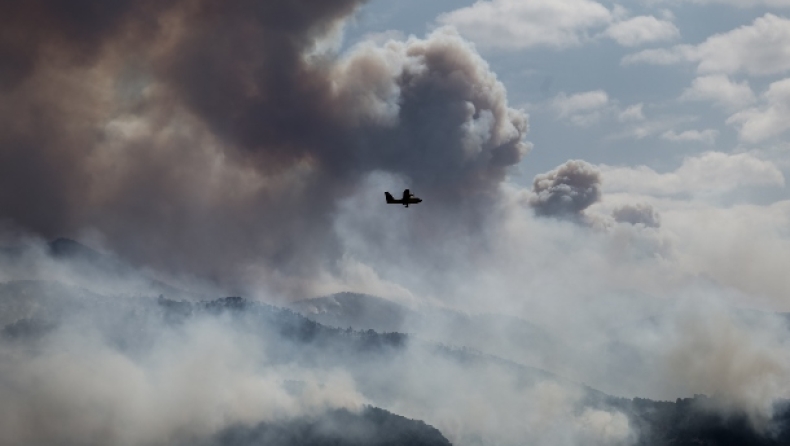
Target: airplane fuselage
column 408, row 198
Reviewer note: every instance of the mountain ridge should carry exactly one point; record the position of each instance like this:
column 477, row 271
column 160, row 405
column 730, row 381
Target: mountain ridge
column 683, row 422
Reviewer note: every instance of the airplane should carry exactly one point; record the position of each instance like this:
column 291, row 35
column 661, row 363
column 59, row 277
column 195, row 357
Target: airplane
column 408, row 198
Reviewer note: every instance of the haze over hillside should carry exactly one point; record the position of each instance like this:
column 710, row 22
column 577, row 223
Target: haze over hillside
column 232, row 371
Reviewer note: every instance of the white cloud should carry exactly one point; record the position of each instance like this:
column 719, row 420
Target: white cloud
column 642, row 29
column 667, row 14
column 581, row 109
column 580, row 102
column 707, row 136
column 519, row 24
column 632, row 113
column 592, row 107
column 745, row 3
column 776, row 151
column 709, row 173
column 720, row 90
column 641, row 129
column 770, row 119
column 661, row 56
column 762, row 48
column 381, row 38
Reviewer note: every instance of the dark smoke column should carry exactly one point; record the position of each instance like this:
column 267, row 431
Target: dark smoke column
column 213, row 137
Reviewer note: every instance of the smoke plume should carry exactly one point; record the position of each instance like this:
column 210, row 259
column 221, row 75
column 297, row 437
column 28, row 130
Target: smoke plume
column 216, row 138
column 567, row 190
column 637, row 214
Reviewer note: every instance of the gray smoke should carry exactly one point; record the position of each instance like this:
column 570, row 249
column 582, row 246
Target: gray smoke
column 80, row 367
column 216, row 138
column 637, row 214
column 567, row 190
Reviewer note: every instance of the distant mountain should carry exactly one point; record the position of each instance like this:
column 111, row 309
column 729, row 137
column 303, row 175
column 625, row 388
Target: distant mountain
column 340, row 427
column 65, row 248
column 42, row 301
column 89, row 263
column 680, row 423
column 33, row 312
column 686, row 422
column 358, row 311
column 501, row 335
column 381, row 365
column 138, row 321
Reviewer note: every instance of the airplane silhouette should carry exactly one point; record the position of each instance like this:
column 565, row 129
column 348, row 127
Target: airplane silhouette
column 408, row 198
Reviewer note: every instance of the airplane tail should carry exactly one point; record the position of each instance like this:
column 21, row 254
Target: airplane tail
column 390, row 198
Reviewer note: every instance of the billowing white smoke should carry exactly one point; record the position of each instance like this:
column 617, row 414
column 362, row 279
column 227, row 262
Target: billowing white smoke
column 637, row 214
column 76, row 388
column 739, row 359
column 111, row 370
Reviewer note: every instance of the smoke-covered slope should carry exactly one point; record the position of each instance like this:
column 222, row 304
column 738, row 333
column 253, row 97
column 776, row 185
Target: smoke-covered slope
column 71, row 340
column 319, row 371
column 497, row 334
column 358, row 311
column 687, row 421
column 371, row 427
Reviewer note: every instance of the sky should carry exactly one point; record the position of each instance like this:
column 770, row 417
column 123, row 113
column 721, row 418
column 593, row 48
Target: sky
column 680, row 104
column 595, row 85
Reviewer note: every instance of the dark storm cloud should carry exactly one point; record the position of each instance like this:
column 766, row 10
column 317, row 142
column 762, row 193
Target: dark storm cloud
column 567, row 190
column 212, row 136
column 637, row 214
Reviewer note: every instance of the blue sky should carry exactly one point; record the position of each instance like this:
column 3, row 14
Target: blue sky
column 597, row 49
